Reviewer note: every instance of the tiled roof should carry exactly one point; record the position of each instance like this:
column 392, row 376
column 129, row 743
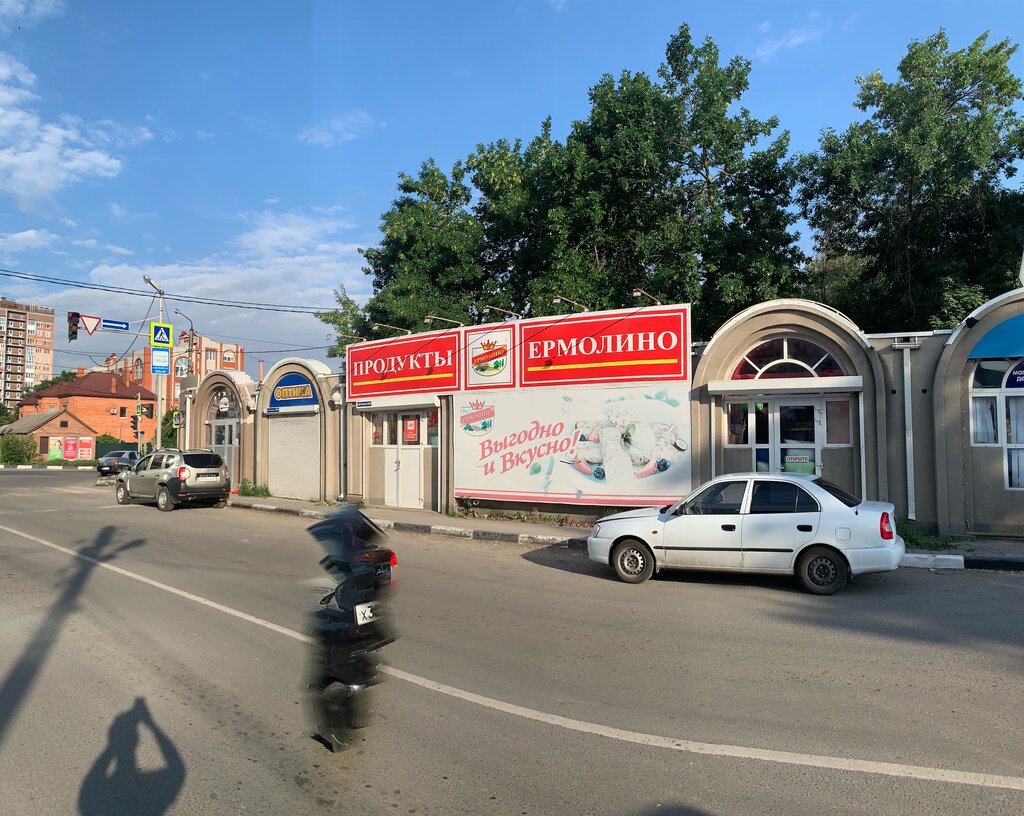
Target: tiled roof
column 32, row 422
column 93, row 384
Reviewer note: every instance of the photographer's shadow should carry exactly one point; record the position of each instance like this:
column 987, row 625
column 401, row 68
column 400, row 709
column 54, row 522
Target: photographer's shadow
column 115, row 784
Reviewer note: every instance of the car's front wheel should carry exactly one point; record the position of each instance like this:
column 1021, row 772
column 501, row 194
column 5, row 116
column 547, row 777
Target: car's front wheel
column 122, row 493
column 632, row 561
column 822, row 571
column 163, row 500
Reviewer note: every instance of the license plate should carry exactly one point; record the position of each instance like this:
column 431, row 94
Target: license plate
column 364, row 613
column 207, row 476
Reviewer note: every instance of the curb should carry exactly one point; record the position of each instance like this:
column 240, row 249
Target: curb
column 565, row 542
column 916, row 560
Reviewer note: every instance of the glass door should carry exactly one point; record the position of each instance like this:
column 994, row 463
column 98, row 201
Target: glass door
column 797, row 439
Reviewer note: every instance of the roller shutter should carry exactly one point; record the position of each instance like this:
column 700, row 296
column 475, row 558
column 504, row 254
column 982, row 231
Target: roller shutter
column 294, row 466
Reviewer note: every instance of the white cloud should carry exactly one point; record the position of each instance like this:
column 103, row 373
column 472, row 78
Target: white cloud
column 24, row 13
column 340, row 129
column 26, row 240
column 557, row 5
column 284, row 235
column 38, row 159
column 205, row 134
column 92, row 243
column 119, row 212
column 795, row 37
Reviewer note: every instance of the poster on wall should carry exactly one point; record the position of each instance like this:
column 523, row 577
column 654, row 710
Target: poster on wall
column 85, row 447
column 416, row 364
column 56, row 450
column 70, row 447
column 617, row 445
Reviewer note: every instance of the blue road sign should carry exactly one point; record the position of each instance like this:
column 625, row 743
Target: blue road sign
column 160, row 334
column 160, row 361
column 114, row 325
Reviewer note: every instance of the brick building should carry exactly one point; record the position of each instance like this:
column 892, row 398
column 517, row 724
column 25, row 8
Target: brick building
column 58, row 435
column 26, row 348
column 103, row 400
column 206, row 355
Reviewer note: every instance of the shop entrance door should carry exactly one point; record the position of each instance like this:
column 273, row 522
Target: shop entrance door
column 403, row 486
column 797, row 436
column 224, row 441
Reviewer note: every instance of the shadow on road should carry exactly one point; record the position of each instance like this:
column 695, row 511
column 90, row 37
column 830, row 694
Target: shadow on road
column 26, row 668
column 673, row 810
column 116, row 786
column 568, row 561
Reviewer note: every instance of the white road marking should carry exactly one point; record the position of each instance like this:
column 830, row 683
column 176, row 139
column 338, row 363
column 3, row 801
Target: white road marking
column 921, row 772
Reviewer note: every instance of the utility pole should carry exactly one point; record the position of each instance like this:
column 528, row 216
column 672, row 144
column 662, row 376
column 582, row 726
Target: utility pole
column 191, row 371
column 159, row 377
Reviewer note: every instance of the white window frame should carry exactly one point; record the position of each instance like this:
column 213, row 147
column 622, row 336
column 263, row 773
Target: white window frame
column 1002, row 441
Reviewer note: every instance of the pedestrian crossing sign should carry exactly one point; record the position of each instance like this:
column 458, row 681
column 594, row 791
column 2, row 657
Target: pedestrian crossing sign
column 160, row 334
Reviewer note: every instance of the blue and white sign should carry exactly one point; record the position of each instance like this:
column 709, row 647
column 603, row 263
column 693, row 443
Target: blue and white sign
column 1015, row 377
column 160, row 334
column 114, row 325
column 160, row 361
column 293, row 393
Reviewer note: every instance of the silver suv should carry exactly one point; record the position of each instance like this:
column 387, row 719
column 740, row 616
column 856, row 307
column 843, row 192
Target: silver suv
column 171, row 477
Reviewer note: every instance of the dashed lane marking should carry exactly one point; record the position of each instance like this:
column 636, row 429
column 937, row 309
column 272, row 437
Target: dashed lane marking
column 918, row 772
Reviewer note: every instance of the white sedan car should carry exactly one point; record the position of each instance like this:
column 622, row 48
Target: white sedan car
column 755, row 522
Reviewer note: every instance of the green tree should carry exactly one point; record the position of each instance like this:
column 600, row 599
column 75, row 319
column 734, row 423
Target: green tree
column 64, row 376
column 168, row 433
column 17, row 449
column 347, row 320
column 917, row 191
column 7, row 415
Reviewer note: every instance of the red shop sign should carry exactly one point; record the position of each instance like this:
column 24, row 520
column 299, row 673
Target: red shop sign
column 621, row 346
column 418, row 364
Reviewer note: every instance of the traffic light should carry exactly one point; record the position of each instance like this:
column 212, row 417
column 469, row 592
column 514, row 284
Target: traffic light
column 73, row 319
column 135, row 423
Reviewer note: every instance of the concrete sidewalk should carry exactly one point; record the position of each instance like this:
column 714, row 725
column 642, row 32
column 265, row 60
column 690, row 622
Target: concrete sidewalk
column 976, row 553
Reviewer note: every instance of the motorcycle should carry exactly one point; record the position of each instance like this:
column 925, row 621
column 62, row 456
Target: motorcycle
column 349, row 625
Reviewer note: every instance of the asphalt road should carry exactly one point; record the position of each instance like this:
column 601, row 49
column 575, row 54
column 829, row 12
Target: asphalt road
column 168, row 679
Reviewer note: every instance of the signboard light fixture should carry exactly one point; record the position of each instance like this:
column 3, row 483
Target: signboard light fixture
column 513, row 315
column 561, row 298
column 386, row 326
column 431, row 318
column 638, row 292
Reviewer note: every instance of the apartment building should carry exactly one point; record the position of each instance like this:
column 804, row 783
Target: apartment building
column 26, row 348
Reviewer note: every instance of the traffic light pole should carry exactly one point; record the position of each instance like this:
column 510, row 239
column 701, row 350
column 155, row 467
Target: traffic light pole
column 158, row 377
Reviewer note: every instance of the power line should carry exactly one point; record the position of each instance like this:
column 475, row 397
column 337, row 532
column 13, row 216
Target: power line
column 122, row 290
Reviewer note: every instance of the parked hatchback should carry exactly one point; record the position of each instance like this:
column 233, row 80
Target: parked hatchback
column 116, row 461
column 171, row 477
column 755, row 522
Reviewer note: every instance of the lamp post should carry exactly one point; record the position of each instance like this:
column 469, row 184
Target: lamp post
column 513, row 315
column 191, row 370
column 561, row 298
column 431, row 318
column 160, row 387
column 637, row 292
column 191, row 339
column 395, row 328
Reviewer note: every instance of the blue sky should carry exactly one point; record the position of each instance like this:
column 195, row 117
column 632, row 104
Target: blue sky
column 245, row 150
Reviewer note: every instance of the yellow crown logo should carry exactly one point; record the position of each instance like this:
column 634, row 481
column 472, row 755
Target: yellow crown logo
column 476, row 405
column 487, row 345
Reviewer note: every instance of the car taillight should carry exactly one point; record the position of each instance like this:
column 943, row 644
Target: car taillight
column 115, row 460
column 394, row 559
column 182, row 473
column 885, row 527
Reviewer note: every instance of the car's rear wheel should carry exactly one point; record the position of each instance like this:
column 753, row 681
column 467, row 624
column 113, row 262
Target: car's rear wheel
column 822, row 571
column 632, row 561
column 163, row 500
column 121, row 491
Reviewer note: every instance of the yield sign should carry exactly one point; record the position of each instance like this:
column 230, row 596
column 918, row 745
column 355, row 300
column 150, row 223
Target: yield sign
column 89, row 323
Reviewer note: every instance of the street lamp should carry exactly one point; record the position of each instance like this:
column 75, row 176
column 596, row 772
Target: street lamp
column 560, row 298
column 637, row 292
column 349, row 336
column 386, row 326
column 514, row 315
column 191, row 338
column 160, row 388
column 431, row 318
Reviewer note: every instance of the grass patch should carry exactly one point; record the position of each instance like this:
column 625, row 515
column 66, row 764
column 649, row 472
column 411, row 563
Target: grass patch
column 247, row 488
column 917, row 539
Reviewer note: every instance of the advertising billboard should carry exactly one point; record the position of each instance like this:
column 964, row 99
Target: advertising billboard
column 616, row 445
column 417, row 364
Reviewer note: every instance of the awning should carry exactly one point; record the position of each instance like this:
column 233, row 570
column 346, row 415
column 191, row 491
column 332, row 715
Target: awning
column 787, row 385
column 1004, row 340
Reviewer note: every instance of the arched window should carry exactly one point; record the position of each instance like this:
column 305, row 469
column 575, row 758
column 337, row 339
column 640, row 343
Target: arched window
column 229, row 356
column 223, row 405
column 997, row 413
column 181, row 367
column 786, row 357
column 138, row 369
